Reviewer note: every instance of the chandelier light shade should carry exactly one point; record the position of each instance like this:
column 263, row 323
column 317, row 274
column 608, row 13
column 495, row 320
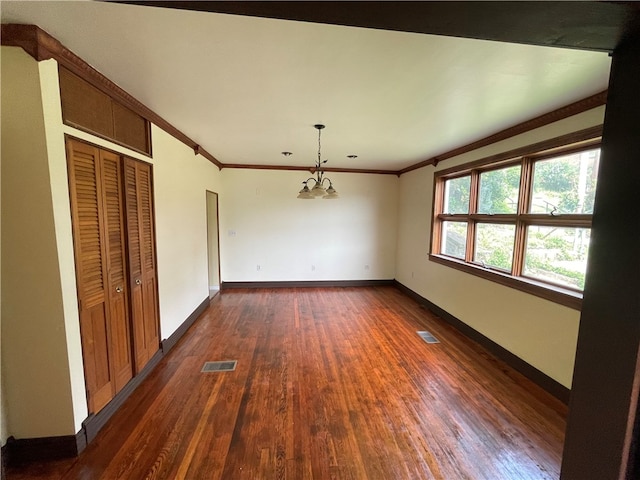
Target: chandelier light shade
column 318, row 189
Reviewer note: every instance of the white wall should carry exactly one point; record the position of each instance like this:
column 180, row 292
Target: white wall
column 542, row 333
column 263, row 223
column 34, row 300
column 181, row 180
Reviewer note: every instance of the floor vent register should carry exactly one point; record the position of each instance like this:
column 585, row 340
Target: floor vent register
column 224, row 366
column 427, row 337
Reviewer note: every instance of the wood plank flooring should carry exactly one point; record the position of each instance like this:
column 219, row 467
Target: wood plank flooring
column 331, row 383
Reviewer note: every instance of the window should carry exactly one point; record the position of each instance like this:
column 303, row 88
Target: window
column 524, row 222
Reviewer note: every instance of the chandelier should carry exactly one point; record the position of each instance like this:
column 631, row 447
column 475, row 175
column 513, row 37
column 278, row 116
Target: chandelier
column 318, row 190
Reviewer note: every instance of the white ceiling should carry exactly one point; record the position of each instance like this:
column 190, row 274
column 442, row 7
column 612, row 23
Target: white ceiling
column 249, row 88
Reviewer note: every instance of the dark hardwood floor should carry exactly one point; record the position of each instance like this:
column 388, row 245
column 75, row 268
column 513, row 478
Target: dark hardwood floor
column 331, row 383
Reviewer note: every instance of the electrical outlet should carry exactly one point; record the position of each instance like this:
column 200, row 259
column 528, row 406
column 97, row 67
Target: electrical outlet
column 366, row 267
column 313, row 268
column 232, row 233
column 258, row 267
column 411, row 274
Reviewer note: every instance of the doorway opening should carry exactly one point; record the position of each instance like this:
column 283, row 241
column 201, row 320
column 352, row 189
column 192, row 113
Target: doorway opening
column 213, row 244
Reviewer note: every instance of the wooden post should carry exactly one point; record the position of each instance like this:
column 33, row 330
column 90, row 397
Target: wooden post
column 602, row 434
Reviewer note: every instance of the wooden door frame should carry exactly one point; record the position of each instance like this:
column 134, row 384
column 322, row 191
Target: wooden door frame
column 207, row 193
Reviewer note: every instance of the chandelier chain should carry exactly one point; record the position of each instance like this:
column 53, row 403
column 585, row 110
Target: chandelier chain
column 319, row 148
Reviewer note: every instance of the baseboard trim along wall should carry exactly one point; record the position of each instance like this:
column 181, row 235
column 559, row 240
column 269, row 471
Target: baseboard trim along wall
column 28, row 450
column 308, row 284
column 555, row 388
column 169, row 343
column 94, row 423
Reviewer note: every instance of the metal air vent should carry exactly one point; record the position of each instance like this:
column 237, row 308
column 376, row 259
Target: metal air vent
column 224, row 366
column 427, row 337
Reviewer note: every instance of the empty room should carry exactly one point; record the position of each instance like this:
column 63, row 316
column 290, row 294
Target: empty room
column 179, row 300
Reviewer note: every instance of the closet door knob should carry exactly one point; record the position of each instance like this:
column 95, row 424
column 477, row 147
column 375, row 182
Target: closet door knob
column 138, row 281
column 119, row 289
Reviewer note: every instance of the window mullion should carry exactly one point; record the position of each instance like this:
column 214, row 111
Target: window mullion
column 524, row 201
column 473, row 208
column 526, row 181
column 518, row 249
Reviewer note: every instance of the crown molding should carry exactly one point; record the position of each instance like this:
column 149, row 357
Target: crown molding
column 42, row 46
column 311, row 170
column 570, row 110
column 580, row 139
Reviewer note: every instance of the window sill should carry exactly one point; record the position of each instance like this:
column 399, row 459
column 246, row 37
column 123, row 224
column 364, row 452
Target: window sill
column 553, row 293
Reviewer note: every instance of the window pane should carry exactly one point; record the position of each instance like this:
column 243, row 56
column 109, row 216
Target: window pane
column 565, row 185
column 557, row 255
column 454, row 239
column 499, row 190
column 494, row 245
column 456, row 195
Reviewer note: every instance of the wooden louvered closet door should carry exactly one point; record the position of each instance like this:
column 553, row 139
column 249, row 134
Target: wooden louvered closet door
column 142, row 271
column 97, row 218
column 120, row 352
